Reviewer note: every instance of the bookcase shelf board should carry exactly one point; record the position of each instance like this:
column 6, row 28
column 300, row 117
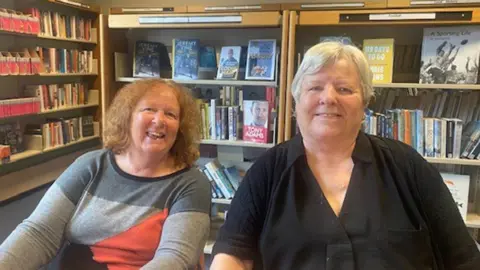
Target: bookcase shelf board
column 29, row 158
column 429, row 86
column 238, row 143
column 77, row 5
column 3, row 32
column 454, row 161
column 432, row 16
column 209, row 82
column 199, row 20
column 336, row 4
column 473, row 221
column 54, row 111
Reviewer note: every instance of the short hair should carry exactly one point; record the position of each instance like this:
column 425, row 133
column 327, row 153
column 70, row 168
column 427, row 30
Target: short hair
column 329, row 52
column 116, row 132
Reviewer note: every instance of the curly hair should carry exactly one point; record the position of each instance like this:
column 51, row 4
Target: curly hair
column 116, row 132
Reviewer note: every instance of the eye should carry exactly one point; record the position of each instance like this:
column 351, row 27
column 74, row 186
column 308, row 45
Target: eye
column 315, row 88
column 171, row 115
column 148, row 109
column 345, row 90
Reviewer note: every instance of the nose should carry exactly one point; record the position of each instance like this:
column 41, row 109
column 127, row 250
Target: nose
column 159, row 118
column 328, row 95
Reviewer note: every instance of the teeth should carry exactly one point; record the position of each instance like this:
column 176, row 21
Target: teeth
column 328, row 114
column 155, row 135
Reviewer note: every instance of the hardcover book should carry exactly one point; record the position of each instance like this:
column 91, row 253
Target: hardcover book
column 261, row 59
column 459, row 186
column 450, row 55
column 229, row 65
column 151, row 60
column 186, row 59
column 255, row 121
column 379, row 53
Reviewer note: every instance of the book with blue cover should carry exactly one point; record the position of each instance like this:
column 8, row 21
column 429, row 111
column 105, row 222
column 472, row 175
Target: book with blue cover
column 261, row 59
column 186, row 59
column 208, row 57
column 229, row 65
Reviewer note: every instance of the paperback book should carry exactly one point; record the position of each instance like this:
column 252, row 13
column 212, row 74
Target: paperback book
column 261, row 59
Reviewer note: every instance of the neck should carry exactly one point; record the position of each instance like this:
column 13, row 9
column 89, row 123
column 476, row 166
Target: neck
column 146, row 165
column 329, row 151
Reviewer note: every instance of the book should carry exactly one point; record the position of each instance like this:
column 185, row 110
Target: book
column 150, row 60
column 229, row 65
column 379, row 53
column 261, row 59
column 450, row 55
column 459, row 186
column 185, row 58
column 255, row 120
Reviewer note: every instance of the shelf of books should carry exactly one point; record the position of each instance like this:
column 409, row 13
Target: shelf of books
column 233, row 62
column 52, row 85
column 425, row 64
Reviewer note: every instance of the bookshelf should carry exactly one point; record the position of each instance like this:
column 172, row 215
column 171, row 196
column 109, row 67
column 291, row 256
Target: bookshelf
column 87, row 37
column 405, row 26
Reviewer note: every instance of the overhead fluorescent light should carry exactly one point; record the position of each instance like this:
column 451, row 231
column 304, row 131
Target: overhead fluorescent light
column 161, row 20
column 146, row 9
column 332, row 5
column 215, row 19
column 232, row 8
column 402, row 16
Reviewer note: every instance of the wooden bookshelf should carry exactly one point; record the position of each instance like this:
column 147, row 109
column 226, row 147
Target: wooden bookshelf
column 473, row 221
column 429, row 86
column 238, row 143
column 209, row 82
column 454, row 161
column 80, row 5
column 3, row 32
column 32, row 153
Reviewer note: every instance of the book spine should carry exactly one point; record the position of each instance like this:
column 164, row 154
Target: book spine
column 457, row 138
column 420, row 133
column 429, row 137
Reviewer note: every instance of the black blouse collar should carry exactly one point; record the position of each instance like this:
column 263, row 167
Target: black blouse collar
column 362, row 152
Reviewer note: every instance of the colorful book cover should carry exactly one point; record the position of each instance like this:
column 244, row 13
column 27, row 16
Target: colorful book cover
column 208, row 57
column 186, row 59
column 342, row 39
column 229, row 63
column 459, row 186
column 379, row 53
column 261, row 59
column 255, row 121
column 149, row 58
column 450, row 55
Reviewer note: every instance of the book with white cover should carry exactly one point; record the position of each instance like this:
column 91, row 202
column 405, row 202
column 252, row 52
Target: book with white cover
column 450, row 55
column 458, row 185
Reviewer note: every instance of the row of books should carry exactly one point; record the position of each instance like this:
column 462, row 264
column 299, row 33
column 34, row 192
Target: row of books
column 56, row 60
column 431, row 137
column 447, row 55
column 224, row 181
column 55, row 96
column 19, row 106
column 192, row 60
column 57, row 132
column 46, row 60
column 55, row 24
column 26, row 62
column 433, row 102
column 18, row 22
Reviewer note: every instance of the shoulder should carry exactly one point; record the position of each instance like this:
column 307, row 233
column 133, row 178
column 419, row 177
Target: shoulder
column 192, row 176
column 192, row 192
column 403, row 155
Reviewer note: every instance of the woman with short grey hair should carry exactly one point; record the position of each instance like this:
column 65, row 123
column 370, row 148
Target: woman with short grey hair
column 334, row 197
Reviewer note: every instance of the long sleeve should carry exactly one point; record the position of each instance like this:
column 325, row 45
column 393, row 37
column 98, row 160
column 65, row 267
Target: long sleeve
column 41, row 234
column 186, row 228
column 183, row 238
column 457, row 248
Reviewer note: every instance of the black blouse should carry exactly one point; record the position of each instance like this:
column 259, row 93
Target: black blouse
column 397, row 214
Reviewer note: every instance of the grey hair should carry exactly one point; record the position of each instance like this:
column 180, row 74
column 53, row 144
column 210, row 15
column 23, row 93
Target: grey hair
column 325, row 53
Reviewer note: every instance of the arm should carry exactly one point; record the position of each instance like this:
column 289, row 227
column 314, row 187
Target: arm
column 41, row 234
column 456, row 246
column 187, row 227
column 237, row 241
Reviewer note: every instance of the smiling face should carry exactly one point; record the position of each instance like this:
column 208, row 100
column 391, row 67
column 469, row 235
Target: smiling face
column 260, row 113
column 155, row 122
column 331, row 103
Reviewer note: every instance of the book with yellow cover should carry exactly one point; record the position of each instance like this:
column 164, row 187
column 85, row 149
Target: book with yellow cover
column 379, row 53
